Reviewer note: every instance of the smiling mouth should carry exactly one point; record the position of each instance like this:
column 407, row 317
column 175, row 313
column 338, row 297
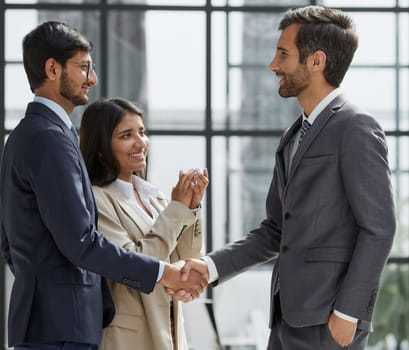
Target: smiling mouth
column 139, row 155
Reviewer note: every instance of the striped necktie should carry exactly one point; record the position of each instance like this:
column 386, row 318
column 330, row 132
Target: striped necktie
column 303, row 130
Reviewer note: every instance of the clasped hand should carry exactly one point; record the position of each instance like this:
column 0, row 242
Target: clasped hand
column 190, row 187
column 185, row 281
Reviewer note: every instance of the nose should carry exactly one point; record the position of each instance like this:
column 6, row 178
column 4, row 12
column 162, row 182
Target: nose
column 93, row 79
column 273, row 65
column 140, row 141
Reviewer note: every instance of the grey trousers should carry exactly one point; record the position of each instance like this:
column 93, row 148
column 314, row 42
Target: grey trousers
column 285, row 337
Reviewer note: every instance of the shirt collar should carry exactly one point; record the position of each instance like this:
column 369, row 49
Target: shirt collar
column 56, row 108
column 320, row 107
column 145, row 188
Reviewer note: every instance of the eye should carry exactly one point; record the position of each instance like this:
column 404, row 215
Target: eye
column 126, row 135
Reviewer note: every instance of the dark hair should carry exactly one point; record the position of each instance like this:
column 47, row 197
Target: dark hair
column 98, row 122
column 50, row 40
column 329, row 30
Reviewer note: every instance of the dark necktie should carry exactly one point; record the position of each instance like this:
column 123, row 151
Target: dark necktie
column 304, row 128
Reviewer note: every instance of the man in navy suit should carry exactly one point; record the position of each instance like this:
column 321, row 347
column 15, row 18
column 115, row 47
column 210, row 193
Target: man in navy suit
column 49, row 234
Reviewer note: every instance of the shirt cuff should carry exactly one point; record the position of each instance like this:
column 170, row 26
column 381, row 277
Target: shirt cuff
column 213, row 274
column 346, row 317
column 160, row 272
column 195, row 210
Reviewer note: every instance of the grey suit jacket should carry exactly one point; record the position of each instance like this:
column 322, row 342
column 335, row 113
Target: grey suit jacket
column 50, row 240
column 330, row 224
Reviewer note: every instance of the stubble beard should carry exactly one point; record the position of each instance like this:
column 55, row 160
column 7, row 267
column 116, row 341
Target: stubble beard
column 67, row 91
column 294, row 83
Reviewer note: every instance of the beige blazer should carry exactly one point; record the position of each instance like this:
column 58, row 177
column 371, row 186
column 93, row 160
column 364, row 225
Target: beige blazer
column 142, row 321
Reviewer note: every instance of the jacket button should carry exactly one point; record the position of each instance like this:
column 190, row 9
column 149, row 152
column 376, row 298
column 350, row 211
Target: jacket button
column 284, row 248
column 287, row 216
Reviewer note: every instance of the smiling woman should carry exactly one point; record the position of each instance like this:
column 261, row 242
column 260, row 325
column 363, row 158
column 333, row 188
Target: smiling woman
column 135, row 215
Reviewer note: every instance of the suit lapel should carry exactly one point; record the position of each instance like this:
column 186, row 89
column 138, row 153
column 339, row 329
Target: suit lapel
column 281, row 161
column 129, row 210
column 314, row 131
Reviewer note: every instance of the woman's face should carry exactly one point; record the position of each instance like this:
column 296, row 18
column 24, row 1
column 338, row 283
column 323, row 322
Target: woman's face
column 130, row 145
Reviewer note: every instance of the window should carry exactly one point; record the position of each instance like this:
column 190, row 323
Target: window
column 199, row 69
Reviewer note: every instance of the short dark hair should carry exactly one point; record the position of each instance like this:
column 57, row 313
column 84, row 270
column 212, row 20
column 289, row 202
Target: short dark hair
column 98, row 123
column 50, row 40
column 329, row 30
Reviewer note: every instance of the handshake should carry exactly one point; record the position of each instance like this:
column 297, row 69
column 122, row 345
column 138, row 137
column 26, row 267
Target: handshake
column 185, row 280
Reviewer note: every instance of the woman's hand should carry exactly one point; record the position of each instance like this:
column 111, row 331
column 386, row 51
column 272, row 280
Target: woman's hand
column 183, row 190
column 190, row 187
column 199, row 186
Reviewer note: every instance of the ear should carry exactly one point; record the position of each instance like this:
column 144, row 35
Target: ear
column 319, row 60
column 51, row 68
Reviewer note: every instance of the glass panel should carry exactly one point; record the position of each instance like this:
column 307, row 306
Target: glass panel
column 404, row 39
column 391, row 330
column 247, row 92
column 392, row 152
column 286, row 3
column 242, row 310
column 163, row 70
column 242, row 172
column 27, row 20
column 404, row 3
column 51, row 1
column 361, row 3
column 363, row 87
column 17, row 94
column 160, row 2
column 403, row 153
column 403, row 99
column 173, row 153
column 219, row 69
column 372, row 37
column 253, row 37
column 401, row 189
column 254, row 103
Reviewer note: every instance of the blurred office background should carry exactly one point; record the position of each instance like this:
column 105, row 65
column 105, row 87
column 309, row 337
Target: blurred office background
column 199, row 68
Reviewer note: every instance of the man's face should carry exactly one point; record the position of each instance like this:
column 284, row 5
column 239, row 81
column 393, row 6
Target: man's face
column 77, row 78
column 294, row 77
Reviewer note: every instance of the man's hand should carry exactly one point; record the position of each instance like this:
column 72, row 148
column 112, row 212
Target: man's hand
column 194, row 265
column 188, row 288
column 342, row 331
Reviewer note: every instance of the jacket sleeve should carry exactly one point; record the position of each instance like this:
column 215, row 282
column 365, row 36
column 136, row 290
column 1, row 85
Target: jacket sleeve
column 260, row 245
column 65, row 202
column 190, row 240
column 160, row 241
column 366, row 176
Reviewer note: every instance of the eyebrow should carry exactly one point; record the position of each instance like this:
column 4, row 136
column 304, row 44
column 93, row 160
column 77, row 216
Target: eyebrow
column 280, row 48
column 130, row 130
column 124, row 131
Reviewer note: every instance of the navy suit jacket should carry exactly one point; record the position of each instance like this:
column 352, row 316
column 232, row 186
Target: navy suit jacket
column 49, row 238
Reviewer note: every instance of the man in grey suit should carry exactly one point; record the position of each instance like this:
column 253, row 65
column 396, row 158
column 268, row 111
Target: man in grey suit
column 330, row 213
column 49, row 235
